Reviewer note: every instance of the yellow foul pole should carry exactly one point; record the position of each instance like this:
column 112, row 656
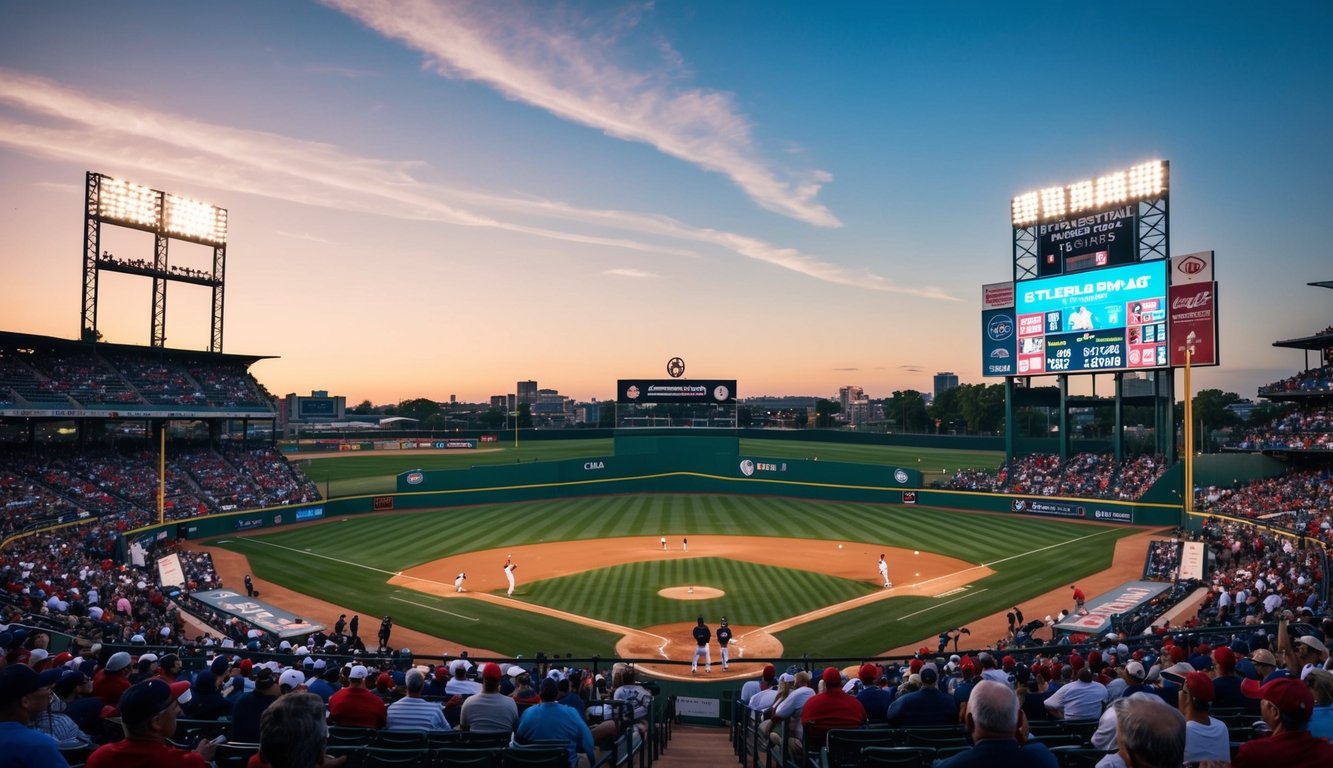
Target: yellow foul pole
column 1189, row 438
column 162, row 476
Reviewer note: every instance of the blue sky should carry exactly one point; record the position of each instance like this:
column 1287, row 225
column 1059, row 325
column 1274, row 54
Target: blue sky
column 441, row 198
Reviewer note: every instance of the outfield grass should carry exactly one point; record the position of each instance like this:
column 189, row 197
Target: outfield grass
column 348, row 561
column 357, row 474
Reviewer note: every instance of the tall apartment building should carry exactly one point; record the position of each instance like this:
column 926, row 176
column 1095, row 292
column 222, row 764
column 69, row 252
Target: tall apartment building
column 945, row 381
column 527, row 392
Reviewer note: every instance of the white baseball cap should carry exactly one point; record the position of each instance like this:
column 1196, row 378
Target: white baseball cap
column 292, row 678
column 358, row 672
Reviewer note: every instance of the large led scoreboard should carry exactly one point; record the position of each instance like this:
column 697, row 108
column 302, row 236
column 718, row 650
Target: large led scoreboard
column 1105, row 319
column 1094, row 290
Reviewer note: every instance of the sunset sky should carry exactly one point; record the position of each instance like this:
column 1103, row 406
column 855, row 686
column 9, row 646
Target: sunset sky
column 435, row 198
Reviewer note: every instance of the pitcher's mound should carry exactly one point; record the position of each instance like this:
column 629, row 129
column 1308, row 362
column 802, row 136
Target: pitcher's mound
column 690, row 593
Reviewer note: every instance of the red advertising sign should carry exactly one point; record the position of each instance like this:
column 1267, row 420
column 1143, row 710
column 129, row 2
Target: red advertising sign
column 1193, row 320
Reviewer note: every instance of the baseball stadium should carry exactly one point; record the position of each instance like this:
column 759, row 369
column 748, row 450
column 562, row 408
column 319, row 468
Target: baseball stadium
column 163, row 519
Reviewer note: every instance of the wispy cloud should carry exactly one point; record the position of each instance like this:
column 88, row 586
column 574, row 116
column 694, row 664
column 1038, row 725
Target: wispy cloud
column 65, row 124
column 845, row 369
column 626, row 272
column 305, row 237
column 538, row 58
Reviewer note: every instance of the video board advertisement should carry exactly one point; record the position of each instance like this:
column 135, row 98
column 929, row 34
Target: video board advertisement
column 650, row 391
column 997, row 342
column 1090, row 241
column 1106, row 320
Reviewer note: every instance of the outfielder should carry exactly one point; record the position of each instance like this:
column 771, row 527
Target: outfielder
column 724, row 637
column 458, row 582
column 884, row 572
column 702, row 634
column 510, row 565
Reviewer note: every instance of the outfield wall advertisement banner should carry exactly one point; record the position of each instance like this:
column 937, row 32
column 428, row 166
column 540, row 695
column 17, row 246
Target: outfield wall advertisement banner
column 269, row 618
column 1109, row 320
column 1079, row 511
column 1103, row 608
column 652, row 391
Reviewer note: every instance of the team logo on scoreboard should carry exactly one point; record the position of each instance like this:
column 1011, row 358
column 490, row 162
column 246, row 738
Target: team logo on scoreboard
column 632, row 393
column 747, row 467
column 675, row 367
column 1000, row 328
column 721, row 393
column 415, row 478
column 900, row 475
column 1192, row 265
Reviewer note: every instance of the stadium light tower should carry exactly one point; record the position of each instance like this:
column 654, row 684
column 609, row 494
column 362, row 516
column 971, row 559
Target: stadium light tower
column 167, row 217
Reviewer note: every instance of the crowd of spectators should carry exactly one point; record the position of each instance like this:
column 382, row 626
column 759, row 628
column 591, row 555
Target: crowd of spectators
column 1087, row 475
column 1163, row 559
column 1301, row 429
column 121, row 486
column 1300, row 501
column 110, row 377
column 1312, row 381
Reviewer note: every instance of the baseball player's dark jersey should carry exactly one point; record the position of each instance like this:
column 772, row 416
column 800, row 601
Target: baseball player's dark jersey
column 702, row 635
column 723, row 636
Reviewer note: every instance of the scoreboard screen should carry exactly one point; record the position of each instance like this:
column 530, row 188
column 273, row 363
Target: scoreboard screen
column 1110, row 319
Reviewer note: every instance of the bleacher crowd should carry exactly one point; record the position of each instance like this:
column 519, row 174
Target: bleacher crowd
column 1087, row 475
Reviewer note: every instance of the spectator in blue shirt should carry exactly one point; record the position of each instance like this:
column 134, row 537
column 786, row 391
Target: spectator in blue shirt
column 551, row 720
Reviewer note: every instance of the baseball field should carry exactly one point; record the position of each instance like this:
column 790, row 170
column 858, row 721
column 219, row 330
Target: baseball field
column 793, row 576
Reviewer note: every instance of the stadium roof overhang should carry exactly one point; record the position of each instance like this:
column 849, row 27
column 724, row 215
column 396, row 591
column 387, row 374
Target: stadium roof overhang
column 13, row 340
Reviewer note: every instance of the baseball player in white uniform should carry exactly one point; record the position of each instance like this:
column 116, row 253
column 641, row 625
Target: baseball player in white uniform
column 510, row 565
column 884, row 572
column 458, row 582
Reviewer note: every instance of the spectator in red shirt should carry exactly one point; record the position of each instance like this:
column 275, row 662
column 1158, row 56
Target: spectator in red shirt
column 148, row 713
column 113, row 680
column 830, row 708
column 356, row 705
column 1285, row 705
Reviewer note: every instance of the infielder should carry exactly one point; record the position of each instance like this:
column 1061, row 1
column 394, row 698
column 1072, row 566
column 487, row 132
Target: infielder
column 663, row 543
column 724, row 637
column 510, row 565
column 702, row 634
column 458, row 582
column 884, row 572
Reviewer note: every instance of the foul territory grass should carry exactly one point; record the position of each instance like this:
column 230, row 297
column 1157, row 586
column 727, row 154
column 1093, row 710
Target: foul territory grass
column 349, row 561
column 357, row 474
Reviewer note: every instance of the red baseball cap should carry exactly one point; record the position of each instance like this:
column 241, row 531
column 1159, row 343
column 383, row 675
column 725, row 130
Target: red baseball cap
column 1288, row 694
column 491, row 671
column 1200, row 686
column 1225, row 658
column 1008, row 663
column 832, row 677
column 868, row 673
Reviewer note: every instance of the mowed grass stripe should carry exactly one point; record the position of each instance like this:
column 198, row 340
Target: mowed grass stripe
column 755, row 593
column 396, row 542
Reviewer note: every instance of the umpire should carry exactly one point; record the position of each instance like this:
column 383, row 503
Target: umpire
column 702, row 634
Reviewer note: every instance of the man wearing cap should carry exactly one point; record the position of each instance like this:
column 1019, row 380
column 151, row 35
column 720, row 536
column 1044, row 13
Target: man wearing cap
column 23, row 695
column 1205, row 738
column 356, row 705
column 762, row 699
column 927, row 706
column 548, row 720
column 636, row 696
column 830, row 708
column 247, row 710
column 489, row 711
column 148, row 713
column 702, row 634
column 113, row 680
column 459, row 685
column 874, row 700
column 325, row 682
column 413, row 713
column 724, row 637
column 999, row 732
column 1285, row 706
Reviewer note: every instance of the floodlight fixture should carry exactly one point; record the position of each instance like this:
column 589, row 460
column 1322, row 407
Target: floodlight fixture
column 193, row 220
column 1145, row 181
column 128, row 203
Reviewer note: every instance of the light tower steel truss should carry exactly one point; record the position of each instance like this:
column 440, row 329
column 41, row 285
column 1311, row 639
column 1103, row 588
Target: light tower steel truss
column 167, row 217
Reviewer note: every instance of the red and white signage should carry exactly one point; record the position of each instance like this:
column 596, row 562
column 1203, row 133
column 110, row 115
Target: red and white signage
column 1193, row 321
column 1192, row 268
column 997, row 295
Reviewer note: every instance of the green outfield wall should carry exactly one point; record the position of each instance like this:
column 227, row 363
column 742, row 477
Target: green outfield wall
column 698, row 473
